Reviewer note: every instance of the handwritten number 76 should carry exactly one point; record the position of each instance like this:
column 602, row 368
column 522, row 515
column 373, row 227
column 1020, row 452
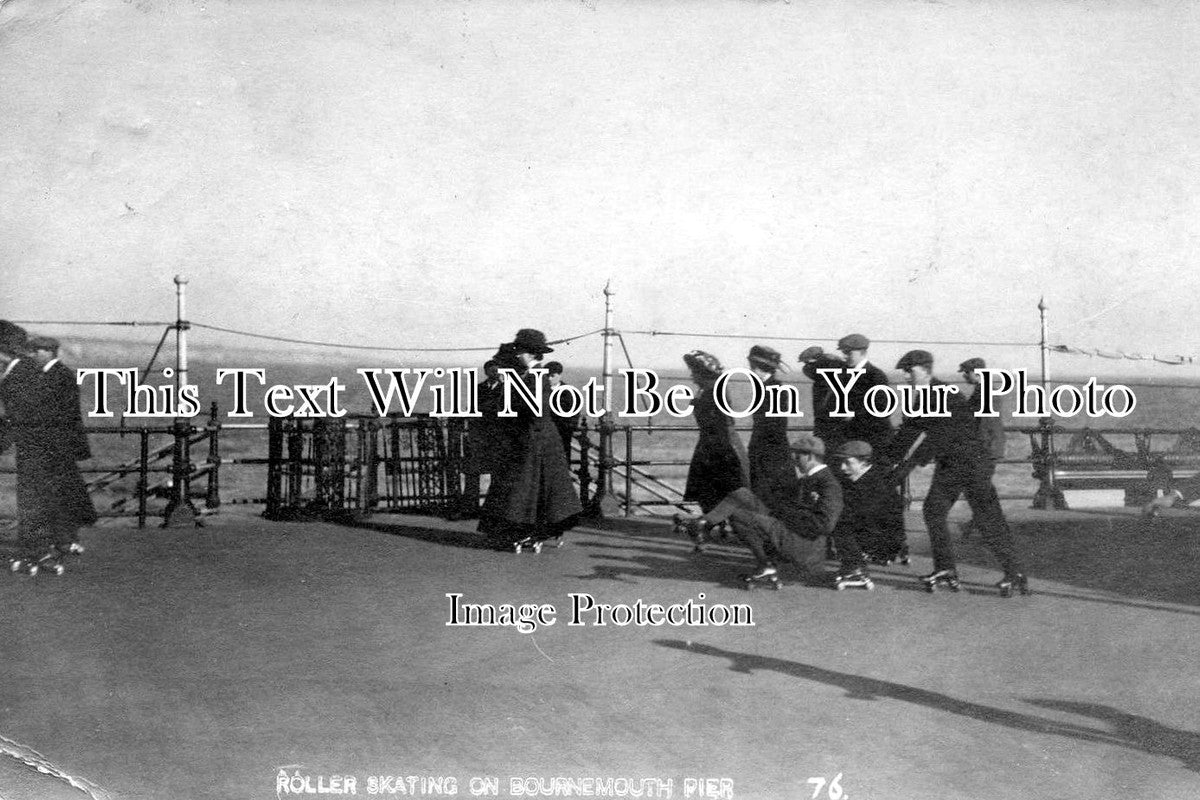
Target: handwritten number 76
column 835, row 787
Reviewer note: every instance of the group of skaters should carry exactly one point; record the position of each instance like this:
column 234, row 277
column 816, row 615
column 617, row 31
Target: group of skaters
column 798, row 500
column 839, row 490
column 40, row 418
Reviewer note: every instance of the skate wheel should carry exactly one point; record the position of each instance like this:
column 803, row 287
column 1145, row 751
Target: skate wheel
column 15, row 565
column 776, row 585
column 537, row 547
column 33, row 569
column 838, row 587
column 869, row 586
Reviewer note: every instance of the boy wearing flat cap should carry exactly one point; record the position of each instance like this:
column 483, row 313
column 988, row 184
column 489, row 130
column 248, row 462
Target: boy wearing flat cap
column 803, row 507
column 872, row 522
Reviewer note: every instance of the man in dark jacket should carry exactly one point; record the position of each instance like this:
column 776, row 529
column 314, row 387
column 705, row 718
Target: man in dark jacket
column 861, row 424
column 962, row 466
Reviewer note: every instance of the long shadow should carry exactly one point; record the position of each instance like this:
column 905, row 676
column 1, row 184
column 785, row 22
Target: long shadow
column 442, row 536
column 1124, row 730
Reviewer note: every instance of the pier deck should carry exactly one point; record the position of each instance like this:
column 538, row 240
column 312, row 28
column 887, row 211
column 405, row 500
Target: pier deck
column 187, row 663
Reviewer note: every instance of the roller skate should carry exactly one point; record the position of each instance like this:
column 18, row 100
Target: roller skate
column 946, row 577
column 902, row 557
column 857, row 579
column 696, row 529
column 1017, row 582
column 766, row 576
column 71, row 549
column 527, row 544
column 27, row 565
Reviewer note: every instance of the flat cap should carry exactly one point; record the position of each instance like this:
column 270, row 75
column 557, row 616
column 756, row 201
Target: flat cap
column 855, row 341
column 767, row 358
column 855, row 448
column 972, row 364
column 809, row 353
column 914, row 358
column 806, row 443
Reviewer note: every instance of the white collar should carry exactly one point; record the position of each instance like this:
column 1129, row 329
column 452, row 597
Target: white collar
column 820, row 466
column 49, row 364
column 11, row 366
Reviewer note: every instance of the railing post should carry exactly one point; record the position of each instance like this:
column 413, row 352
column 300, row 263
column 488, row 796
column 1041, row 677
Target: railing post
column 603, row 472
column 212, row 498
column 371, row 484
column 1048, row 495
column 585, row 475
column 143, row 474
column 628, row 469
column 295, row 462
column 274, row 468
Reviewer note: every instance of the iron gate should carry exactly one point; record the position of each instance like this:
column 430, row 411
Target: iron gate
column 353, row 466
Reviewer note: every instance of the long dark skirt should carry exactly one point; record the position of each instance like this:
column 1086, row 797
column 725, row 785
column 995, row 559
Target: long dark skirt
column 531, row 495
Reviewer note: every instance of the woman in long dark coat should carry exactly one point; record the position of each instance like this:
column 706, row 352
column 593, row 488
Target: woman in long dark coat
column 41, row 398
column 719, row 464
column 531, row 498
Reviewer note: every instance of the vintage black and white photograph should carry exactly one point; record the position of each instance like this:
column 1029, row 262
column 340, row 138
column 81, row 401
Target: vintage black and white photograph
column 710, row 400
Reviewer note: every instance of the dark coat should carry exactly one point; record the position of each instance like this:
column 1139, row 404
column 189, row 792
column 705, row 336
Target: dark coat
column 955, row 438
column 531, row 493
column 872, row 512
column 768, row 452
column 566, row 426
column 824, row 427
column 808, row 505
column 719, row 465
column 865, row 426
column 47, row 428
column 485, row 432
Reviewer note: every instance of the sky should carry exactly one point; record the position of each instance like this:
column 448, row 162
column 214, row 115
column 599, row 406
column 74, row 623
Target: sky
column 439, row 174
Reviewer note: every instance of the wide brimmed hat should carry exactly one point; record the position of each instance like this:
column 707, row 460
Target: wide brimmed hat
column 533, row 341
column 703, row 363
column 766, row 358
